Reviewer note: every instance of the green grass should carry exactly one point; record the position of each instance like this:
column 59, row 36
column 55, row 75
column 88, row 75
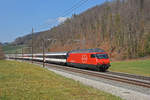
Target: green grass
column 23, row 81
column 12, row 49
column 139, row 67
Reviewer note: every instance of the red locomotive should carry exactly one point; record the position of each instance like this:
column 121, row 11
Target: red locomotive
column 89, row 58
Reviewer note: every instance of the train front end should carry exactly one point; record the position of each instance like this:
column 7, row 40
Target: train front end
column 102, row 60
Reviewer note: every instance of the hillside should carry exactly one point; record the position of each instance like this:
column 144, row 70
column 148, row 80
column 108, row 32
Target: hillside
column 121, row 27
column 12, row 48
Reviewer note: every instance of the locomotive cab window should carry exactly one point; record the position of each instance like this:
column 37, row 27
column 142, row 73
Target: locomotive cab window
column 102, row 56
column 93, row 55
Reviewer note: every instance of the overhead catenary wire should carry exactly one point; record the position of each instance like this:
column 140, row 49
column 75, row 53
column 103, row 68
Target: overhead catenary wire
column 74, row 7
column 67, row 12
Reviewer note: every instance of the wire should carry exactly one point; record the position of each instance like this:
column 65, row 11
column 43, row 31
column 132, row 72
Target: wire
column 44, row 25
column 77, row 5
column 67, row 12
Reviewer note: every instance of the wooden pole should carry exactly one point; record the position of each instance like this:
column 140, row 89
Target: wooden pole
column 32, row 44
column 43, row 53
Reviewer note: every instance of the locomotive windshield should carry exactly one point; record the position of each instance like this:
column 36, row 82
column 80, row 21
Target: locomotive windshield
column 102, row 56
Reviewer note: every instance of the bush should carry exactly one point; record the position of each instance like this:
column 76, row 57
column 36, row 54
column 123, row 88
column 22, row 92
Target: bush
column 1, row 53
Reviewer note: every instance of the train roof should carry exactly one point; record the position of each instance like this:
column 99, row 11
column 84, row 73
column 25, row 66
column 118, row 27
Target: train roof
column 87, row 50
column 56, row 53
column 53, row 53
column 47, row 53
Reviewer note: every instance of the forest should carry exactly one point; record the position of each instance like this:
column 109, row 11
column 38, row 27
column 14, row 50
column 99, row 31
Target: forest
column 120, row 27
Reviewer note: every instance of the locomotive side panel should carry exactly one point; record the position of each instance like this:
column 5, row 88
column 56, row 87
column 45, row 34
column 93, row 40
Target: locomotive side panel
column 82, row 60
column 98, row 61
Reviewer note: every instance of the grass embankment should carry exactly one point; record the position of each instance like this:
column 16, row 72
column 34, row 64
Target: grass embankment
column 23, row 81
column 139, row 67
column 12, row 49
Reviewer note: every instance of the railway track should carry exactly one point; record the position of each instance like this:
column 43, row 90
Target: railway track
column 115, row 76
column 120, row 77
column 130, row 75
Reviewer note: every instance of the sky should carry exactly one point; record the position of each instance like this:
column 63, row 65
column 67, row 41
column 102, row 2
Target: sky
column 18, row 17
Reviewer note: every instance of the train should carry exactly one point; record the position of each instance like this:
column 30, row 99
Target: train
column 96, row 59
